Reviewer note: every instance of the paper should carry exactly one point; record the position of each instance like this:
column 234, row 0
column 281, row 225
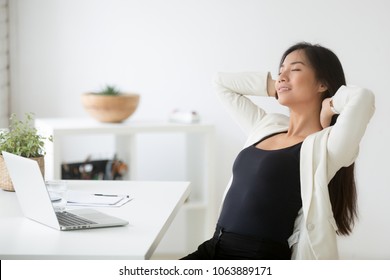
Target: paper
column 79, row 198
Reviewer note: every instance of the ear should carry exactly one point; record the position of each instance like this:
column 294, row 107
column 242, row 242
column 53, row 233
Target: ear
column 322, row 88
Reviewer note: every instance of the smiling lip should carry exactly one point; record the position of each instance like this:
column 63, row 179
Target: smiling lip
column 283, row 89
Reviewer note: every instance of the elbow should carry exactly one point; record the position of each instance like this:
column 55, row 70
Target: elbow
column 362, row 98
column 369, row 99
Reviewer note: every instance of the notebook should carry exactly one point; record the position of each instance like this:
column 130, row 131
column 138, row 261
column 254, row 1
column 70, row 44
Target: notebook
column 36, row 204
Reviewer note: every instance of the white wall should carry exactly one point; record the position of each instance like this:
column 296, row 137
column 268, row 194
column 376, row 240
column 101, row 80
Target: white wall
column 168, row 51
column 4, row 64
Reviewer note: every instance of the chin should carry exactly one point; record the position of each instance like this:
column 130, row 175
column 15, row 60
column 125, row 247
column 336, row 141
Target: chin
column 282, row 100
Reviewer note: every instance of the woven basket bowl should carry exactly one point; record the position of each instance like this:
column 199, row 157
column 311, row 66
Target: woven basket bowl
column 5, row 180
column 112, row 109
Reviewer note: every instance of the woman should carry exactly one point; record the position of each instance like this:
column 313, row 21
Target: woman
column 293, row 186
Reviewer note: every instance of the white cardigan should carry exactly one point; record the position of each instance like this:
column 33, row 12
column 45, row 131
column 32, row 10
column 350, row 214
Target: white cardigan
column 322, row 153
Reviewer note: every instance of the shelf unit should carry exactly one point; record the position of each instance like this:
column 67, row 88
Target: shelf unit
column 199, row 211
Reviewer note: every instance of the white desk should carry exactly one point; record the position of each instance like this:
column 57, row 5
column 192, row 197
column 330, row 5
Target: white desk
column 150, row 213
column 199, row 166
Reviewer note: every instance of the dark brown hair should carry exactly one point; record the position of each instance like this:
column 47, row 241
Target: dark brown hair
column 342, row 187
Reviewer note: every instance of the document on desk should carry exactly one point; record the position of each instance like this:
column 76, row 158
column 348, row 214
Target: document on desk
column 80, row 198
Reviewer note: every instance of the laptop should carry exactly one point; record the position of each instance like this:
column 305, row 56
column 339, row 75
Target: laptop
column 36, row 204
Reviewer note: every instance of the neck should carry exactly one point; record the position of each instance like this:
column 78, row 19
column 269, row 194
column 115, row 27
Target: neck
column 304, row 122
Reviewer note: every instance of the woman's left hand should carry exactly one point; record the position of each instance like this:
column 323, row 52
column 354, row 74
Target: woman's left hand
column 326, row 113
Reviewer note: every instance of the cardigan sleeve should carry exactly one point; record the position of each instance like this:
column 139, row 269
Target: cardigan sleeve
column 356, row 107
column 233, row 89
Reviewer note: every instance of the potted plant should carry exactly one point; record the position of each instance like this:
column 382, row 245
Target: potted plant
column 21, row 139
column 110, row 104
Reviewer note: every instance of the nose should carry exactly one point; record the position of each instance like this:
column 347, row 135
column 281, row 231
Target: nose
column 282, row 77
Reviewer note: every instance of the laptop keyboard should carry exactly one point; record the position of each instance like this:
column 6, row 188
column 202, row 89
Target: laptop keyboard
column 69, row 219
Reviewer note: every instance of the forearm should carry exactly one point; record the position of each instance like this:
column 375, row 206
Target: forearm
column 244, row 83
column 233, row 89
column 356, row 107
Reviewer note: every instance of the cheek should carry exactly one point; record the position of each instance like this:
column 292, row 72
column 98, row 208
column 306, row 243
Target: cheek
column 303, row 81
column 307, row 84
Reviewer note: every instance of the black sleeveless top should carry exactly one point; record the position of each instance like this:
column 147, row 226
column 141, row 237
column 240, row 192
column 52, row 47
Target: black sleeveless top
column 265, row 196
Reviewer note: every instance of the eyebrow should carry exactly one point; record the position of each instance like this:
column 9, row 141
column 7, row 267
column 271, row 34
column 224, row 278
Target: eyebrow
column 293, row 63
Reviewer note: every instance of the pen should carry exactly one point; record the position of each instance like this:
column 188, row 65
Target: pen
column 109, row 195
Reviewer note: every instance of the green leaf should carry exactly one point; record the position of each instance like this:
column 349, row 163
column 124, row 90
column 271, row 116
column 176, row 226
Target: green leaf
column 22, row 138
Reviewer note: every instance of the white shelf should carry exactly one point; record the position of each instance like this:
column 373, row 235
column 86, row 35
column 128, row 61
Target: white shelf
column 200, row 148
